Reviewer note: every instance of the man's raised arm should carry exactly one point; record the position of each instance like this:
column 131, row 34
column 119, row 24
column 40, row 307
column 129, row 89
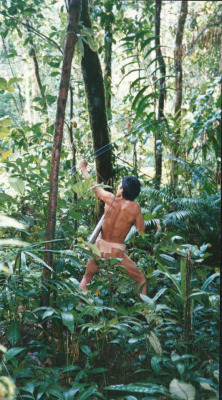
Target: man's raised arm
column 139, row 222
column 105, row 196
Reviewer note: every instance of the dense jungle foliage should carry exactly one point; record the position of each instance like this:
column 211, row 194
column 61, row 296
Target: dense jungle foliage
column 161, row 69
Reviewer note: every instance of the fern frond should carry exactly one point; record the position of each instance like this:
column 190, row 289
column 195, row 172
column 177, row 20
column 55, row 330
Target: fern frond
column 155, row 193
column 176, row 216
column 188, row 201
column 153, row 222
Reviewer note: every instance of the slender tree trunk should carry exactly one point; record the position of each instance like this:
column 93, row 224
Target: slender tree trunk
column 71, row 37
column 32, row 53
column 179, row 88
column 95, row 93
column 73, row 147
column 108, row 68
column 158, row 135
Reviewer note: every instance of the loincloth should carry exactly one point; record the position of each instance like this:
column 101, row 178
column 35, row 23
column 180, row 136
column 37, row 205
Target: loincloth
column 106, row 247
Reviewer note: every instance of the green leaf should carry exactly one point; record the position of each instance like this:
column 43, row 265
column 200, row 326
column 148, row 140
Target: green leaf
column 206, row 386
column 155, row 364
column 11, row 89
column 184, row 391
column 70, row 394
column 175, row 357
column 86, row 394
column 68, row 320
column 11, row 353
column 12, row 333
column 55, row 73
column 39, row 260
column 180, row 367
column 3, row 84
column 159, row 293
column 10, row 222
column 147, row 41
column 48, row 313
column 13, row 242
column 81, row 188
column 4, row 133
column 147, row 300
column 98, row 370
column 146, row 388
column 70, row 368
column 5, row 122
column 209, row 280
column 14, row 80
column 86, row 350
column 139, row 94
column 183, row 271
column 155, row 343
column 17, row 185
column 169, row 275
column 93, row 247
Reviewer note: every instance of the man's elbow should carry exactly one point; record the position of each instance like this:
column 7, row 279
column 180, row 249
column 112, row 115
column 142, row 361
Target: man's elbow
column 141, row 229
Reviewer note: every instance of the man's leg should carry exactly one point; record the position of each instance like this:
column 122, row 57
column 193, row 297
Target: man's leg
column 134, row 273
column 91, row 269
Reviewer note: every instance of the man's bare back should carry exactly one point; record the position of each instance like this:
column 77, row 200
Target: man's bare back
column 120, row 218
column 120, row 214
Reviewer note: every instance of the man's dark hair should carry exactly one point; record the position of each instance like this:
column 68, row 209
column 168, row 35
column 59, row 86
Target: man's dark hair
column 131, row 187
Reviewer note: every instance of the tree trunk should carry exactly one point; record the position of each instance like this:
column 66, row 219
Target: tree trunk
column 95, row 93
column 73, row 148
column 158, row 135
column 32, row 53
column 71, row 37
column 179, row 88
column 108, row 67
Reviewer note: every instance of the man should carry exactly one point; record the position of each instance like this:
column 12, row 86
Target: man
column 121, row 213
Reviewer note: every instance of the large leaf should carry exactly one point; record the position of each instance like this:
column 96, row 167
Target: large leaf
column 184, row 391
column 13, row 352
column 155, row 364
column 209, row 280
column 3, row 84
column 155, row 343
column 13, row 242
column 68, row 320
column 12, row 333
column 146, row 388
column 6, row 198
column 17, row 185
column 81, row 188
column 10, row 222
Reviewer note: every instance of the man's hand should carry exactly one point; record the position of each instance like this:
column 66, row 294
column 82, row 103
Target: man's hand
column 82, row 165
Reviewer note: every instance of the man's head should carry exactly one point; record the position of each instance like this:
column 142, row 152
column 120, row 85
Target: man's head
column 129, row 188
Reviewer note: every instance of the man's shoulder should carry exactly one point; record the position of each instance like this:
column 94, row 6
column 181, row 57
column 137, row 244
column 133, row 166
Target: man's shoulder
column 135, row 207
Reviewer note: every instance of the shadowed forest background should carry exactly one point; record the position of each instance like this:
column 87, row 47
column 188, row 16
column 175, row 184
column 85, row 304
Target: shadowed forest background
column 134, row 88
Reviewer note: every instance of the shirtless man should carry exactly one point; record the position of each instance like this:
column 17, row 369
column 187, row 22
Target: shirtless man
column 122, row 213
